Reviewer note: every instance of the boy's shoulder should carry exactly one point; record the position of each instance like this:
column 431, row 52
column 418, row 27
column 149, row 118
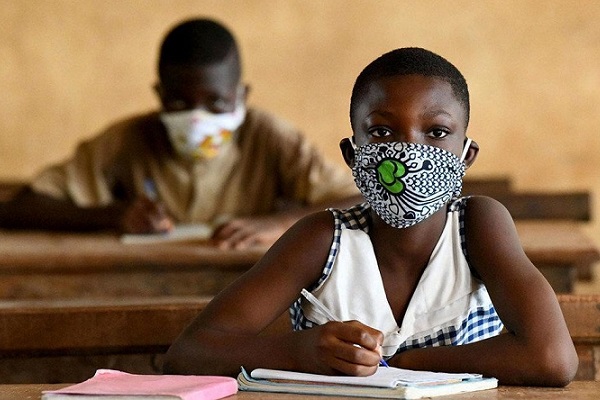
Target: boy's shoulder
column 141, row 122
column 131, row 131
column 259, row 122
column 130, row 125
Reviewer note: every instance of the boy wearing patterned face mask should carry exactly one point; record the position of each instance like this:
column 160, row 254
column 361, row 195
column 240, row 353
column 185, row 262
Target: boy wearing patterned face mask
column 418, row 275
column 205, row 157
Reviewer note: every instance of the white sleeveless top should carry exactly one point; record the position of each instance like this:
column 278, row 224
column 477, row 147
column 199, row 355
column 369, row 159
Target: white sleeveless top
column 450, row 306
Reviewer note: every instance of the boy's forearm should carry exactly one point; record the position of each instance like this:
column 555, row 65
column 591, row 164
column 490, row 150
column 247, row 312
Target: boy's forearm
column 32, row 211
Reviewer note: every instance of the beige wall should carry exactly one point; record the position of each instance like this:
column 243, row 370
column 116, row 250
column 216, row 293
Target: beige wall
column 71, row 66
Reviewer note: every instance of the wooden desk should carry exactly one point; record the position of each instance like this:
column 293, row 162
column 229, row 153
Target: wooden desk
column 33, row 251
column 579, row 390
column 558, row 249
column 71, row 265
column 55, row 341
column 582, row 315
column 67, row 340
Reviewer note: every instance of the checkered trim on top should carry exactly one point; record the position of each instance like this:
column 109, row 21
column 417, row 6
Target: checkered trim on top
column 460, row 204
column 356, row 217
column 480, row 324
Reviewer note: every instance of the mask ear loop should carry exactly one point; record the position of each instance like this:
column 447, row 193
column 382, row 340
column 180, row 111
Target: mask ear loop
column 465, row 149
column 239, row 95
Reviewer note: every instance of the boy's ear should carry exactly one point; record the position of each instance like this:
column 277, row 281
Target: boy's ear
column 471, row 153
column 157, row 89
column 246, row 89
column 347, row 151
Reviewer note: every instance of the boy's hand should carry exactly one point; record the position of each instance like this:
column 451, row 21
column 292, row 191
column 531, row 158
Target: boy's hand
column 145, row 216
column 241, row 233
column 350, row 348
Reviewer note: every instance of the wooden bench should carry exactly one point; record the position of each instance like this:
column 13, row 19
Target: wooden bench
column 56, row 341
column 532, row 204
column 547, row 206
column 61, row 341
column 572, row 206
column 529, row 205
column 66, row 341
column 93, row 326
column 582, row 314
column 489, row 186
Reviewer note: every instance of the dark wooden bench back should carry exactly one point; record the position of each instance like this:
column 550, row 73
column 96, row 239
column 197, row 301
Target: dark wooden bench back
column 490, row 186
column 574, row 206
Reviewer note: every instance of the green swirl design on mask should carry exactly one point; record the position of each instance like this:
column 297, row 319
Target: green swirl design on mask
column 389, row 173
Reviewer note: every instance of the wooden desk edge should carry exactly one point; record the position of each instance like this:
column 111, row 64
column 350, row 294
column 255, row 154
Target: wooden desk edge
column 575, row 390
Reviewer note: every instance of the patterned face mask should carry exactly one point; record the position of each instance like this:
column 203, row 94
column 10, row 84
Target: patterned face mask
column 199, row 134
column 407, row 182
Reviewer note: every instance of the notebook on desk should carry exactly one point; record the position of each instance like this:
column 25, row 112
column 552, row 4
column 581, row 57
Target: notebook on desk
column 109, row 384
column 387, row 382
column 181, row 233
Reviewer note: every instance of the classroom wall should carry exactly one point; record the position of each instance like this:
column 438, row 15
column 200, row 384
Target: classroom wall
column 69, row 67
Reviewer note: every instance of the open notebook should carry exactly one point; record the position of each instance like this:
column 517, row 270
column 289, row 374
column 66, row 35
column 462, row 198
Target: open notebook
column 387, row 382
column 181, row 233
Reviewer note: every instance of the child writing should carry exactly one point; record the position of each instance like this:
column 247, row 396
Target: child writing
column 418, row 275
column 205, row 156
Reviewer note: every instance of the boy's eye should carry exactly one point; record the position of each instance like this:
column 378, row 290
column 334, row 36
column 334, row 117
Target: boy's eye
column 220, row 105
column 380, row 132
column 437, row 133
column 175, row 105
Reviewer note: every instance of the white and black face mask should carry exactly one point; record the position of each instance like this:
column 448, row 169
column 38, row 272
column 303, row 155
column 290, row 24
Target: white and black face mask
column 405, row 183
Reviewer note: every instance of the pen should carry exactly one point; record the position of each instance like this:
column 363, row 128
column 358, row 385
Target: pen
column 327, row 313
column 150, row 189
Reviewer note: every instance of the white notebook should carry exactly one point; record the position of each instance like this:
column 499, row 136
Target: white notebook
column 181, row 233
column 385, row 383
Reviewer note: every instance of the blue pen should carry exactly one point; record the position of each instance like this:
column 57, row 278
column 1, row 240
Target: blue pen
column 150, row 189
column 327, row 313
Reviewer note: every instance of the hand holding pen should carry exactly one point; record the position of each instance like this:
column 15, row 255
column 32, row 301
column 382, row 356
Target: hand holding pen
column 329, row 315
column 146, row 214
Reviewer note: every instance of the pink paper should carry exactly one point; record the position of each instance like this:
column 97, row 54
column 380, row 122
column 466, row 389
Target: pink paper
column 187, row 387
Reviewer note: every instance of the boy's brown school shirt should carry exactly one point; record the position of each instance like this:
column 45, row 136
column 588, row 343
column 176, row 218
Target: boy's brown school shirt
column 268, row 160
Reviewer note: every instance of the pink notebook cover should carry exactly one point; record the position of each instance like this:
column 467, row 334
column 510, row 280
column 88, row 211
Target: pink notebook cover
column 187, row 387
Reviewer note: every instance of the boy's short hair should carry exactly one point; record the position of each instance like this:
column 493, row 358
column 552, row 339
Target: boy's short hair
column 411, row 61
column 197, row 42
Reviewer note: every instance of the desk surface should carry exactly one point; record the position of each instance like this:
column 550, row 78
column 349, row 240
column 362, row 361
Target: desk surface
column 544, row 243
column 578, row 390
column 37, row 251
column 38, row 264
column 557, row 242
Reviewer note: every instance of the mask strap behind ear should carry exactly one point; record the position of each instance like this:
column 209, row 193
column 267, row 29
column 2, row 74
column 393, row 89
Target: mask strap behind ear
column 465, row 149
column 352, row 142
